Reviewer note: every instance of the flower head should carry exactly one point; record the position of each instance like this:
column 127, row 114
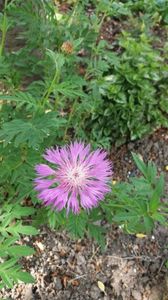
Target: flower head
column 79, row 177
column 67, row 47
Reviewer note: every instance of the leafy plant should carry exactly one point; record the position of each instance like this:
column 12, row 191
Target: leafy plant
column 137, row 205
column 64, row 77
column 11, row 250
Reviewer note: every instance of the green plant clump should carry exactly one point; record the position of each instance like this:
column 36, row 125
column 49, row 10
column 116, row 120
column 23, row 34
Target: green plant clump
column 63, row 78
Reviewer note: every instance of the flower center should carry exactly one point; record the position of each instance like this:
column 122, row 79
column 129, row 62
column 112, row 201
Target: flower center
column 76, row 176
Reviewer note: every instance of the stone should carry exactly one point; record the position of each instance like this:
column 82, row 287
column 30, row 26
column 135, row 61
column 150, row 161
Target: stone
column 58, row 283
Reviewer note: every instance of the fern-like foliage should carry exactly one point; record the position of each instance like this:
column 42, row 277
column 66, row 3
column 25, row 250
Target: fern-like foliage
column 11, row 228
column 31, row 132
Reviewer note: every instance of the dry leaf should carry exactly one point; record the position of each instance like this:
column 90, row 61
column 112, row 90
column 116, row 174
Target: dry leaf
column 75, row 282
column 65, row 280
column 140, row 235
column 101, row 286
column 140, row 156
column 114, row 182
column 62, row 253
column 40, row 245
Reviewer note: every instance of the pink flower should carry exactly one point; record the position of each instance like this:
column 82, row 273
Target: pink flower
column 79, row 177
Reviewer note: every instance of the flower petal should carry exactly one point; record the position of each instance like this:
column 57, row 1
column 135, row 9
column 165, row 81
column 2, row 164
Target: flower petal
column 44, row 170
column 73, row 204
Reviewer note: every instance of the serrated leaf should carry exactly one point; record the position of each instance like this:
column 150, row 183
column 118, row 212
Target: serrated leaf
column 6, row 279
column 29, row 230
column 21, row 99
column 148, row 222
column 140, row 164
column 31, row 132
column 154, row 202
column 56, row 219
column 25, row 277
column 21, row 211
column 151, row 172
column 160, row 218
column 97, row 233
column 8, row 264
column 70, row 89
column 18, row 251
column 160, row 185
column 125, row 216
column 76, row 224
column 9, row 241
column 57, row 58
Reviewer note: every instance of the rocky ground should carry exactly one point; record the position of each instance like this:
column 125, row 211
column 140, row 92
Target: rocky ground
column 130, row 268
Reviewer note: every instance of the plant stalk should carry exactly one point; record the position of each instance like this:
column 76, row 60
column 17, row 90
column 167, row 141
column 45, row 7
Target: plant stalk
column 69, row 119
column 4, row 29
column 50, row 89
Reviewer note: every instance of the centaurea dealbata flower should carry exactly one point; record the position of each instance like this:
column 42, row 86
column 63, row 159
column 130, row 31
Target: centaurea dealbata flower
column 79, row 177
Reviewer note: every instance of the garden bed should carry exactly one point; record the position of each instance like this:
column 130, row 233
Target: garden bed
column 94, row 72
column 131, row 267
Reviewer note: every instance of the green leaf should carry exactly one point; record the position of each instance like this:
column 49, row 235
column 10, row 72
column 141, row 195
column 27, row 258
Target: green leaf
column 149, row 224
column 160, row 185
column 18, row 229
column 71, row 88
column 29, row 230
column 7, row 264
column 10, row 273
column 125, row 216
column 56, row 219
column 9, row 241
column 21, row 99
column 76, row 224
column 140, row 164
column 41, row 217
column 19, row 251
column 25, row 277
column 97, row 233
column 6, row 280
column 57, row 58
column 160, row 218
column 31, row 132
column 154, row 202
column 151, row 172
column 20, row 211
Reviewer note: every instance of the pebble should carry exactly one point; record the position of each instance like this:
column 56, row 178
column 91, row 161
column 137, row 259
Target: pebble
column 80, row 259
column 95, row 292
column 28, row 293
column 137, row 295
column 58, row 283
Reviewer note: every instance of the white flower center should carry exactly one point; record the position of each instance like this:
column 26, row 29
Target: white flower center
column 76, row 176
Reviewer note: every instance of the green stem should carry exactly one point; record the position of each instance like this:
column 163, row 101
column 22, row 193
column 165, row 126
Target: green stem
column 92, row 56
column 69, row 119
column 75, row 102
column 50, row 89
column 4, row 29
column 71, row 18
column 164, row 213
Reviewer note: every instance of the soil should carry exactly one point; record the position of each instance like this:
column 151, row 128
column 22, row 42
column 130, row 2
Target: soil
column 130, row 268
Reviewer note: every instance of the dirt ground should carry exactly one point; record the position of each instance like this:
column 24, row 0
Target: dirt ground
column 130, row 268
